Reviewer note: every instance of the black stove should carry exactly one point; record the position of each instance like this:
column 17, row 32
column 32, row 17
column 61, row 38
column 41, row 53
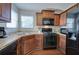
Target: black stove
column 50, row 38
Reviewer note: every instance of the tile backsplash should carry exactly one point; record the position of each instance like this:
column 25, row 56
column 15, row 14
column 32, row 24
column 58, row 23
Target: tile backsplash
column 54, row 28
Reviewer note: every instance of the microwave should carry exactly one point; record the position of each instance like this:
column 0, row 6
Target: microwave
column 48, row 21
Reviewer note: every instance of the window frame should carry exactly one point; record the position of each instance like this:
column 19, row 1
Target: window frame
column 32, row 22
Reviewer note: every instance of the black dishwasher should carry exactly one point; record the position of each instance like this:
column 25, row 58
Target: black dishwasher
column 9, row 50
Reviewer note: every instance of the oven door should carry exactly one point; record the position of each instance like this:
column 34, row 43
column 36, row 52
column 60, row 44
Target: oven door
column 49, row 40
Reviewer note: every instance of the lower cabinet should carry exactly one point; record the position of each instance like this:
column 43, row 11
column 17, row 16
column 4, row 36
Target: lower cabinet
column 62, row 43
column 26, row 44
column 9, row 50
column 39, row 41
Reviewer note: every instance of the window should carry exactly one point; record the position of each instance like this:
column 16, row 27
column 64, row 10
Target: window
column 70, row 22
column 14, row 20
column 27, row 21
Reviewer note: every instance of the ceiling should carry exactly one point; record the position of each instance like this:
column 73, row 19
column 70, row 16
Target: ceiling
column 37, row 7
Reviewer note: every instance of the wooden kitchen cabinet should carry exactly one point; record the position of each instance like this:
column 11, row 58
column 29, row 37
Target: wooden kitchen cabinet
column 39, row 41
column 26, row 44
column 39, row 19
column 62, row 43
column 63, row 19
column 48, row 14
column 19, row 46
column 5, row 12
column 57, row 19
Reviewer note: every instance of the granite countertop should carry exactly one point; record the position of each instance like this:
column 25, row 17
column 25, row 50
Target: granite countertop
column 61, row 34
column 4, row 42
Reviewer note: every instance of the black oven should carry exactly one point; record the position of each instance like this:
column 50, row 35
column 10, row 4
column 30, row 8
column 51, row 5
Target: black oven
column 48, row 21
column 50, row 39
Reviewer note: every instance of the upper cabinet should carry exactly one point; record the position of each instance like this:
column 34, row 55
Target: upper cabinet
column 5, row 12
column 48, row 14
column 57, row 19
column 39, row 19
column 63, row 15
column 63, row 18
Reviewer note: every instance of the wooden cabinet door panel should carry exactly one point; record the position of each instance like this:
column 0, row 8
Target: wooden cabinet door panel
column 6, row 11
column 63, row 19
column 39, row 41
column 57, row 20
column 31, row 43
column 20, row 47
column 26, row 46
column 62, row 43
column 39, row 19
column 48, row 14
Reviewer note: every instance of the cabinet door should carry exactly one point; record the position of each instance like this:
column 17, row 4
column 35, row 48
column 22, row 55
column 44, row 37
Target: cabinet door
column 57, row 19
column 62, row 43
column 26, row 46
column 39, row 42
column 31, row 44
column 63, row 19
column 39, row 19
column 51, row 15
column 20, row 46
column 48, row 14
column 5, row 12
